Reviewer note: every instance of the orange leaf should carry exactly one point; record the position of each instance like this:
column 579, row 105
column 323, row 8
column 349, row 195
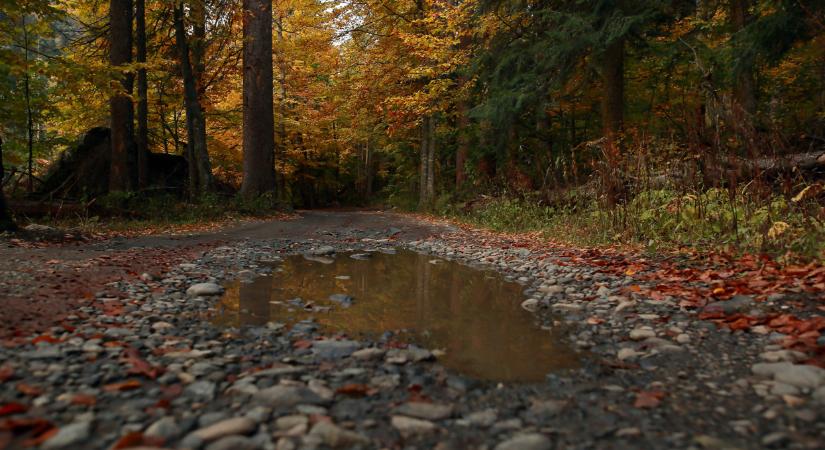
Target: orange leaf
column 27, row 389
column 127, row 385
column 648, row 399
column 355, row 390
column 84, row 400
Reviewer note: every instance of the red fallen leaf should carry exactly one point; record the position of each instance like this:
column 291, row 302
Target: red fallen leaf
column 127, row 385
column 648, row 399
column 6, row 372
column 34, row 424
column 84, row 400
column 302, row 343
column 139, row 365
column 355, row 390
column 27, row 389
column 8, row 409
column 45, row 338
column 41, row 436
column 741, row 324
column 595, row 320
column 136, row 439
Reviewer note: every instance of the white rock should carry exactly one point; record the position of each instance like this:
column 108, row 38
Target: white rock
column 642, row 333
column 530, row 441
column 228, row 427
column 802, row 376
column 531, row 304
column 204, row 289
column 408, row 426
column 628, row 353
column 683, row 338
column 336, row 437
column 769, row 369
column 782, row 355
column 423, row 410
column 69, row 435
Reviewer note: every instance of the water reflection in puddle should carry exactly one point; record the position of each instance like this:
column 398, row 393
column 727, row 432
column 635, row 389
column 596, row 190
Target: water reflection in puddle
column 473, row 315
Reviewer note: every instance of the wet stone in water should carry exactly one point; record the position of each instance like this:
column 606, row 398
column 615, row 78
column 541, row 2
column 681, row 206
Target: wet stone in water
column 474, row 317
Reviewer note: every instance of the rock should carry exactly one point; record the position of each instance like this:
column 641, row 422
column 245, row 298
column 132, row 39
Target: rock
column 783, row 355
column 736, row 304
column 204, row 289
column 332, row 349
column 336, row 437
column 819, row 395
column 530, row 441
column 683, row 338
column 342, row 299
column 360, row 256
column 165, row 428
column 801, row 376
column 552, row 289
column 69, row 435
column 627, row 353
column 323, row 250
column 228, row 427
column 288, row 422
column 233, row 443
column 409, row 426
column 422, row 410
column 775, row 439
column 284, row 396
column 162, row 326
column 781, row 389
column 769, row 369
column 642, row 333
column 368, row 353
column 531, row 304
column 484, row 418
column 202, row 390
column 628, row 432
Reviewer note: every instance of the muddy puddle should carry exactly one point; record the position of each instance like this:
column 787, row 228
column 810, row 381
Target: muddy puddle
column 474, row 316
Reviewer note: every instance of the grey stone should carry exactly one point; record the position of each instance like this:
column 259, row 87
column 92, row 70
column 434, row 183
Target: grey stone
column 323, row 250
column 204, row 289
column 234, row 443
column 409, row 426
column 422, row 410
column 802, row 376
column 202, row 390
column 284, row 396
column 228, row 427
column 738, row 303
column 166, row 428
column 332, row 349
column 484, row 418
column 336, row 437
column 69, row 435
column 530, row 441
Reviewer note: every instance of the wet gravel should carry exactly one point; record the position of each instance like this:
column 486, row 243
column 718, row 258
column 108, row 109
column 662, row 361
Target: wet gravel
column 149, row 365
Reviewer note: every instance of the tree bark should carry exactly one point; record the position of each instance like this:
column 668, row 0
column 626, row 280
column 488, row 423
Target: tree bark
column 463, row 147
column 6, row 222
column 258, row 113
column 142, row 132
column 200, row 173
column 120, row 54
column 613, row 96
column 423, row 170
column 744, row 89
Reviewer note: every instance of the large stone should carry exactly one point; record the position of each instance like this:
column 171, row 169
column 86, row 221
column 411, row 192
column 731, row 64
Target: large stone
column 321, row 251
column 165, row 428
column 409, row 426
column 801, row 376
column 228, row 427
column 423, row 410
column 332, row 349
column 530, row 441
column 769, row 369
column 203, row 289
column 285, row 396
column 737, row 303
column 69, row 435
column 336, row 437
column 234, row 443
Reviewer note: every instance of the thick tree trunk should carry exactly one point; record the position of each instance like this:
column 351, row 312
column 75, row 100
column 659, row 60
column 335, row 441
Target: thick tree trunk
column 198, row 8
column 431, row 161
column 120, row 54
column 200, row 174
column 613, row 96
column 744, row 89
column 424, row 160
column 142, row 132
column 6, row 222
column 463, row 147
column 258, row 114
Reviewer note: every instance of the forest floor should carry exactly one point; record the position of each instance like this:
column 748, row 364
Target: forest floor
column 104, row 348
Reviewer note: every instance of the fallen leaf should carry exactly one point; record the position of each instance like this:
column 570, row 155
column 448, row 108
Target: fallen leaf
column 127, row 385
column 302, row 344
column 84, row 400
column 136, row 439
column 8, row 409
column 40, row 436
column 139, row 365
column 6, row 373
column 355, row 390
column 27, row 389
column 648, row 399
column 45, row 338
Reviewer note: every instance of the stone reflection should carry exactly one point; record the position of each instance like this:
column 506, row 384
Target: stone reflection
column 473, row 315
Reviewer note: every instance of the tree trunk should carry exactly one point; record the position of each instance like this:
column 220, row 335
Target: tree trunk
column 198, row 13
column 258, row 114
column 463, row 147
column 613, row 96
column 142, row 132
column 744, row 89
column 423, row 170
column 120, row 54
column 6, row 222
column 431, row 161
column 200, row 173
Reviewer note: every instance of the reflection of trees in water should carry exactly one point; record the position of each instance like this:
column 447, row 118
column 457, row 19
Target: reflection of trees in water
column 475, row 316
